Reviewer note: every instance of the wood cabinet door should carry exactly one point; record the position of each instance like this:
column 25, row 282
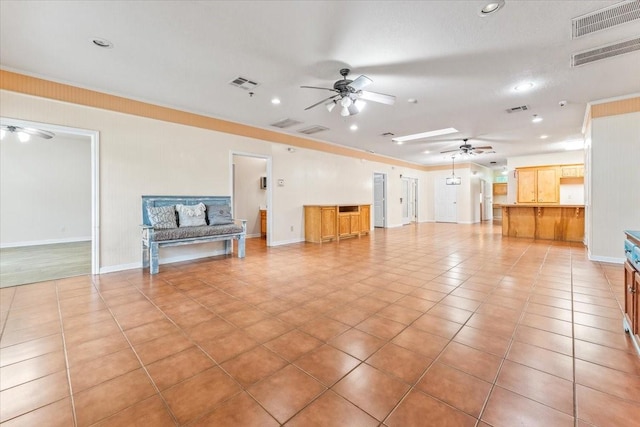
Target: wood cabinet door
column 630, row 303
column 328, row 223
column 635, row 321
column 526, row 185
column 365, row 218
column 499, row 189
column 547, row 186
column 344, row 224
column 354, row 223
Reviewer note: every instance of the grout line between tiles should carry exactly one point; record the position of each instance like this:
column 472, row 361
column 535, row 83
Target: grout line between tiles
column 66, row 357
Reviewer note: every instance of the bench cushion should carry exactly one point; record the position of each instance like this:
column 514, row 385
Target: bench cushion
column 192, row 232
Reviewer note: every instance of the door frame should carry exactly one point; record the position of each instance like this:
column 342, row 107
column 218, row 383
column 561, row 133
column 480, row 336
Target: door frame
column 268, row 189
column 94, row 137
column 384, row 198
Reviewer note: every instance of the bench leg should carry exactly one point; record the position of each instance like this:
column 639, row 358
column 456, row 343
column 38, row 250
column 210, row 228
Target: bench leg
column 154, row 258
column 241, row 247
column 228, row 247
column 145, row 256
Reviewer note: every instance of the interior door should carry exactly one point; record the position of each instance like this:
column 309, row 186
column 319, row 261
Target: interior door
column 446, row 196
column 379, row 200
column 405, row 201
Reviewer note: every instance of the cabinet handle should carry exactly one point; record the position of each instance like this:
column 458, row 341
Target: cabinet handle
column 631, row 290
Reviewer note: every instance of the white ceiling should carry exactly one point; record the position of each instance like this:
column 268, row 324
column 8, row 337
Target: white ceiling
column 460, row 67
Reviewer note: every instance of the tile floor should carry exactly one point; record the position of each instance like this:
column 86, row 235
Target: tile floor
column 427, row 325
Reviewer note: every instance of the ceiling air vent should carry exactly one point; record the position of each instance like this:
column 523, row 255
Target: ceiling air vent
column 518, row 109
column 604, row 52
column 313, row 129
column 608, row 17
column 243, row 83
column 285, row 123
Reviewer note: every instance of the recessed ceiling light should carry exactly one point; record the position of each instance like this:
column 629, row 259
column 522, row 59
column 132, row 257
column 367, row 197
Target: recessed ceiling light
column 544, row 136
column 104, row 43
column 353, row 127
column 523, row 87
column 398, row 142
column 536, row 119
column 275, row 101
column 491, row 7
column 426, row 151
column 429, row 134
column 412, row 101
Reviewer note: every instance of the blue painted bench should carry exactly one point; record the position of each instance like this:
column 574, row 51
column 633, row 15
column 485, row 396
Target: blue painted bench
column 162, row 235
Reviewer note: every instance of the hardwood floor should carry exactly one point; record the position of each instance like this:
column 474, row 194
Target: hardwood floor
column 31, row 264
column 424, row 325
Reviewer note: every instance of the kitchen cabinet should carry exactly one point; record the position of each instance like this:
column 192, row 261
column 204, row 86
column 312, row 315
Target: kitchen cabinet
column 365, row 219
column 538, row 185
column 631, row 319
column 572, row 171
column 499, row 188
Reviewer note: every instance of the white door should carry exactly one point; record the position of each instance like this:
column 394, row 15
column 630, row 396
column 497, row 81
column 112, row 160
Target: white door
column 446, row 209
column 405, row 201
column 379, row 199
column 487, row 201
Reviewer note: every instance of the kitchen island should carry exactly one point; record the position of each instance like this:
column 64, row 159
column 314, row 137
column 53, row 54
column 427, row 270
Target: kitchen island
column 544, row 221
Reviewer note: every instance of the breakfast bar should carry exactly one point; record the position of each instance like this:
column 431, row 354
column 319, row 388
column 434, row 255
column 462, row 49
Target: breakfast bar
column 544, row 221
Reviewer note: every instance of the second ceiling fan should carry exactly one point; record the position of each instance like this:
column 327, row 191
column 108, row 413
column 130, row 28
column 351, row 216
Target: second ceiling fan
column 467, row 148
column 349, row 94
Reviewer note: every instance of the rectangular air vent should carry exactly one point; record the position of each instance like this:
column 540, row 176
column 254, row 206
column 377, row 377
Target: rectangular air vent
column 604, row 52
column 608, row 17
column 313, row 129
column 285, row 123
column 243, row 83
column 518, row 109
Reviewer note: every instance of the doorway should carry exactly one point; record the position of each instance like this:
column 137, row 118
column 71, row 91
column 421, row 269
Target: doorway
column 446, row 200
column 251, row 193
column 61, row 174
column 379, row 199
column 409, row 200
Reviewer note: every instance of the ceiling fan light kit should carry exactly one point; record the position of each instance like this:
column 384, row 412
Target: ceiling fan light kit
column 350, row 95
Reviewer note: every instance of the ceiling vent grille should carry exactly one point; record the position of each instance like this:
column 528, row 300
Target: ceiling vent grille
column 604, row 52
column 609, row 17
column 518, row 109
column 243, row 83
column 313, row 129
column 285, row 123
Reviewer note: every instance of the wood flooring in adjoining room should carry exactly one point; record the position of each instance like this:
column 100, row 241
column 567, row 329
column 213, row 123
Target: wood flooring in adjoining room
column 424, row 325
column 31, row 264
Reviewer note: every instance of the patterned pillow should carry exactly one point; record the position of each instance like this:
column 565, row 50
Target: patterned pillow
column 191, row 215
column 219, row 214
column 162, row 216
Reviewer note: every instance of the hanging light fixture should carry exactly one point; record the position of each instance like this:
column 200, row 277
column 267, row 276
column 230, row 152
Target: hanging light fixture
column 453, row 179
column 331, row 105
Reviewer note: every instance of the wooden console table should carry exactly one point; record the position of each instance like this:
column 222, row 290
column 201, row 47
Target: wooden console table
column 631, row 320
column 328, row 222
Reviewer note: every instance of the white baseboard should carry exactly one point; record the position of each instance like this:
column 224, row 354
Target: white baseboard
column 287, row 242
column 394, row 225
column 45, row 242
column 611, row 260
column 162, row 261
column 251, row 236
column 121, row 267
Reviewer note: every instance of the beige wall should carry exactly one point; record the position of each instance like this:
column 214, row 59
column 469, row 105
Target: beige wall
column 613, row 200
column 45, row 190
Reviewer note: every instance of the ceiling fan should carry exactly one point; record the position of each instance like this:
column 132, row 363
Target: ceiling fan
column 349, row 94
column 25, row 133
column 467, row 148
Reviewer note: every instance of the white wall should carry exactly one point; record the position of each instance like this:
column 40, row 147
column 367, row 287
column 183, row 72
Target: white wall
column 248, row 196
column 614, row 190
column 45, row 190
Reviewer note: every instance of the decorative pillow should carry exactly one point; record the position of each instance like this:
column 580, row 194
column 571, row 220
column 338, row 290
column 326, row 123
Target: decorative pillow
column 219, row 214
column 162, row 216
column 191, row 215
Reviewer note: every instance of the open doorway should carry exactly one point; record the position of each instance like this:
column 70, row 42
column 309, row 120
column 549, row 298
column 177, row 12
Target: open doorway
column 48, row 203
column 251, row 193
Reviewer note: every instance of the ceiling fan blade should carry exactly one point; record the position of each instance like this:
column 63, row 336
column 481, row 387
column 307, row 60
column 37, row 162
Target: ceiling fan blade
column 360, row 82
column 478, row 151
column 377, row 97
column 449, row 151
column 486, row 147
column 320, row 102
column 321, row 88
column 38, row 132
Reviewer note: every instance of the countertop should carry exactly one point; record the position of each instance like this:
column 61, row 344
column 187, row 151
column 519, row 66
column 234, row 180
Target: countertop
column 538, row 205
column 633, row 233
